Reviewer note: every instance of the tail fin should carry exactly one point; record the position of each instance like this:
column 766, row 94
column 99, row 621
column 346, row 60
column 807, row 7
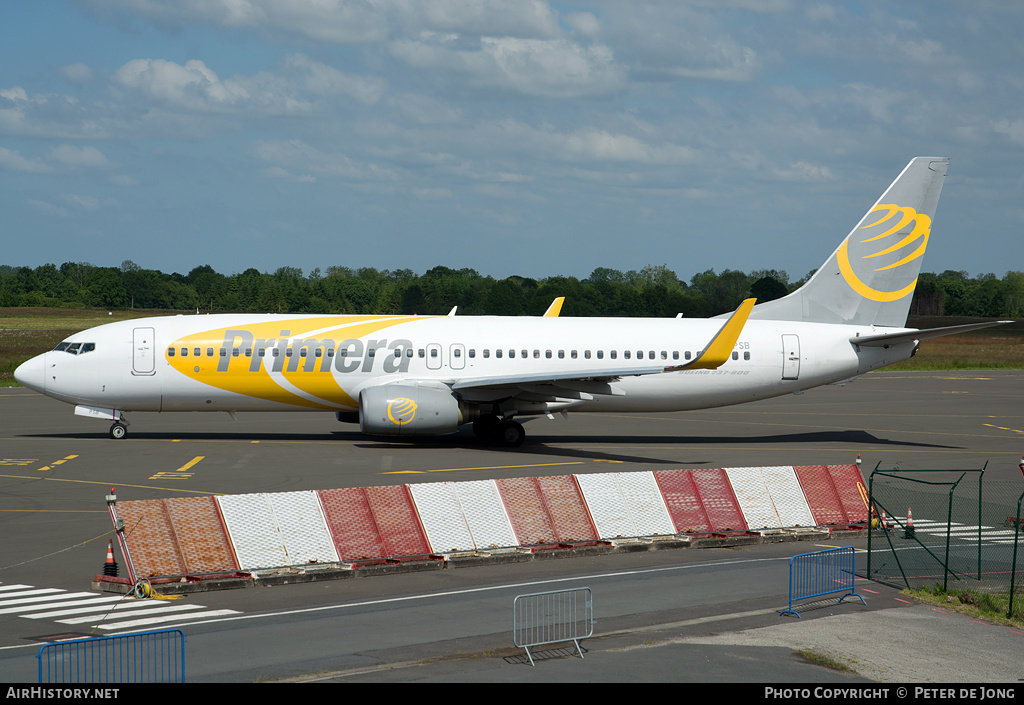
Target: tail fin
column 871, row 276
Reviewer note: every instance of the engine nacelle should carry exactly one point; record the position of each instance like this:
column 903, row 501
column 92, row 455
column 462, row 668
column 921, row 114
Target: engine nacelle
column 405, row 410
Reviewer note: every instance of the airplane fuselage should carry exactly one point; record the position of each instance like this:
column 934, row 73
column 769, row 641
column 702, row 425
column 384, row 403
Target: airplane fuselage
column 322, row 363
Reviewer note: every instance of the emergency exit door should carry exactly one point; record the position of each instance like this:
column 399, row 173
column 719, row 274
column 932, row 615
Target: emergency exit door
column 790, row 356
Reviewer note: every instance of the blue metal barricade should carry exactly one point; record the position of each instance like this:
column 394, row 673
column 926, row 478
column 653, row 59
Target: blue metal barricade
column 821, row 573
column 552, row 617
column 146, row 657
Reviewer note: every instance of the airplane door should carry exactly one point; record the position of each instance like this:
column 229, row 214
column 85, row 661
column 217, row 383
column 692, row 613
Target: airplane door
column 433, row 356
column 143, row 351
column 790, row 356
column 457, row 356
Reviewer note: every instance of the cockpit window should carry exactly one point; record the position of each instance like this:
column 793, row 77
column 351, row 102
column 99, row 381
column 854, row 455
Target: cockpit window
column 75, row 348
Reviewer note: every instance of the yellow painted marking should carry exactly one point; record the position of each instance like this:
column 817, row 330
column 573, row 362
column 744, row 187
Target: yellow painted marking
column 17, row 461
column 825, row 545
column 490, row 467
column 108, row 483
column 190, row 463
column 55, row 463
column 1003, row 428
column 179, row 474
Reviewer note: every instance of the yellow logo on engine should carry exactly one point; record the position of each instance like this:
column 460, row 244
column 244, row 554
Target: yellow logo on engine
column 401, row 410
column 895, row 221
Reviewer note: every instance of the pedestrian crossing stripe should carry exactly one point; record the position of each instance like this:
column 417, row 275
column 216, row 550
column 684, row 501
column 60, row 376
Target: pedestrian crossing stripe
column 90, row 609
column 989, row 534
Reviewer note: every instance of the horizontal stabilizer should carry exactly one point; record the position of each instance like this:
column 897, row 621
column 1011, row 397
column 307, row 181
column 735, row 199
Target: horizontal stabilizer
column 886, row 339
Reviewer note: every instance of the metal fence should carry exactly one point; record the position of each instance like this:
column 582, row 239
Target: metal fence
column 146, row 657
column 553, row 617
column 819, row 574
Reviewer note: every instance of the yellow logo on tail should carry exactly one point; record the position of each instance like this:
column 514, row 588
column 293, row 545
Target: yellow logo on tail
column 895, row 219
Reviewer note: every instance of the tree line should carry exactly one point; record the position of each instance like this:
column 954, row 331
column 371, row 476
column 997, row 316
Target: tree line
column 654, row 291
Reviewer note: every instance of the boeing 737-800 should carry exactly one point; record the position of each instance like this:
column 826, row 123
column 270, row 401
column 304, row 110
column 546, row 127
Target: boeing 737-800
column 427, row 375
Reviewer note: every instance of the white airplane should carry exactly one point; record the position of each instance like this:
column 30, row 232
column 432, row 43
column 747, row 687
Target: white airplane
column 429, row 375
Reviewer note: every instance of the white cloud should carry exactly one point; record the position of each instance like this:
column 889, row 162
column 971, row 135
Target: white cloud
column 14, row 161
column 78, row 156
column 196, row 87
column 555, row 68
column 77, row 73
column 321, row 79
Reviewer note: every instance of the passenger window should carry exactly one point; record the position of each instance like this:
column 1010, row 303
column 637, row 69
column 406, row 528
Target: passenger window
column 573, row 355
column 687, row 355
column 613, row 354
column 536, row 353
column 223, row 352
column 547, row 354
column 209, row 352
column 746, row 356
column 600, row 354
column 457, row 352
column 261, row 352
column 487, row 353
column 498, row 353
column 524, row 353
column 586, row 354
column 248, row 352
column 320, row 353
column 277, row 352
column 639, row 354
column 184, row 352
column 664, row 355
column 511, row 353
column 561, row 354
column 408, row 352
column 735, row 355
column 170, row 352
column 433, row 352
column 626, row 354
column 675, row 354
column 472, row 353
column 421, row 352
column 234, row 352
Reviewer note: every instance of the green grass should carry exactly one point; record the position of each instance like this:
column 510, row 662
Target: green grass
column 991, row 606
column 27, row 332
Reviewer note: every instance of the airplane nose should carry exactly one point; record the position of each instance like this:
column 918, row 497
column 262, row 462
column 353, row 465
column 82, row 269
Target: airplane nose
column 32, row 374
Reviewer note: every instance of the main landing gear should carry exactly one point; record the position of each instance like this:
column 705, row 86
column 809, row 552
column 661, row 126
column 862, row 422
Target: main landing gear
column 503, row 432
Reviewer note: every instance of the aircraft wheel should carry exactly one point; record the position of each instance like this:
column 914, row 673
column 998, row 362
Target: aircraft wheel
column 118, row 431
column 512, row 434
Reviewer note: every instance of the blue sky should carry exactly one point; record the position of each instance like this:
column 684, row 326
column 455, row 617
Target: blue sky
column 511, row 136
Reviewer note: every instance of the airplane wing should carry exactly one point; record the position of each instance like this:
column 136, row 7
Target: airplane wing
column 714, row 354
column 886, row 339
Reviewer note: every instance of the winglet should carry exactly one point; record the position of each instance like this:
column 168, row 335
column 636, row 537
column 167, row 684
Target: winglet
column 454, row 309
column 555, row 308
column 720, row 348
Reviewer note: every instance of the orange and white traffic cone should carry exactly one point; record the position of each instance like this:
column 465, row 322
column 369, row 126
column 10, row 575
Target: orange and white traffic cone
column 908, row 531
column 110, row 567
